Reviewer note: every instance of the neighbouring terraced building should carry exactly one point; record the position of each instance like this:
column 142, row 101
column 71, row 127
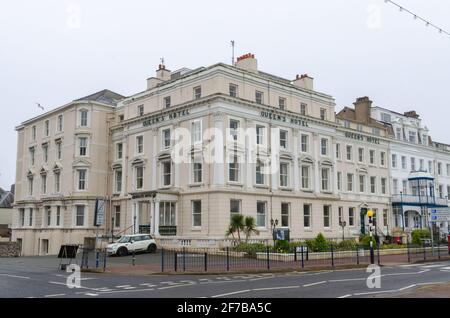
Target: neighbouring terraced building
column 197, row 146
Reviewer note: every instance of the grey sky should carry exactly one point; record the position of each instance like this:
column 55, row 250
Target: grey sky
column 51, row 55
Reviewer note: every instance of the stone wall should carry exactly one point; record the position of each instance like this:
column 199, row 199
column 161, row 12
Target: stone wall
column 9, row 249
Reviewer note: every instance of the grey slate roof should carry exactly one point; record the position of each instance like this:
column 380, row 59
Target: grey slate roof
column 105, row 96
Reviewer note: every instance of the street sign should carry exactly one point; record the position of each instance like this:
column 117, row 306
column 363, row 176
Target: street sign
column 440, row 215
column 300, row 248
column 99, row 212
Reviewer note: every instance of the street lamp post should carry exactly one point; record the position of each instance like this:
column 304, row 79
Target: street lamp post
column 273, row 224
column 343, row 224
column 372, row 256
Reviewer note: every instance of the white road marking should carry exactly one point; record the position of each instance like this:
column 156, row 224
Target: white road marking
column 407, row 287
column 271, row 288
column 223, row 282
column 233, row 293
column 345, row 296
column 377, row 292
column 260, row 278
column 126, row 291
column 15, row 276
column 174, row 286
column 433, row 266
column 147, row 284
column 445, row 268
column 313, row 284
column 55, row 295
column 91, row 294
column 345, row 280
column 131, row 287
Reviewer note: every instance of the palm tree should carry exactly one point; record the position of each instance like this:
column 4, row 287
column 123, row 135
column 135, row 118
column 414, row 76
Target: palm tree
column 249, row 227
column 236, row 226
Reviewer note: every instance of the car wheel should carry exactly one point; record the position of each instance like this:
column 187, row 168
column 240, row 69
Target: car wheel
column 151, row 248
column 122, row 251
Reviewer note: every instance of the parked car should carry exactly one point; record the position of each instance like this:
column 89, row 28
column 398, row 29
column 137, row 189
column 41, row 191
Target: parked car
column 132, row 243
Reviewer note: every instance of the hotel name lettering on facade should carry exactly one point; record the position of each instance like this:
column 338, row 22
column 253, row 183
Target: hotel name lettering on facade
column 282, row 118
column 362, row 138
column 161, row 118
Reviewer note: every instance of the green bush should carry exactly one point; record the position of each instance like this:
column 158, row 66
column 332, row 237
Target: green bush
column 250, row 249
column 392, row 246
column 281, row 246
column 346, row 245
column 320, row 244
column 365, row 241
column 418, row 235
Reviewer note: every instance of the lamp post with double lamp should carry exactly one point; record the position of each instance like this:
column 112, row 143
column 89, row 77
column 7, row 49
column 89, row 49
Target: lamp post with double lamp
column 372, row 256
column 273, row 224
column 343, row 225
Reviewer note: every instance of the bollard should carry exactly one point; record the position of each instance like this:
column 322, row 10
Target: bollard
column 439, row 252
column 424, row 252
column 303, row 260
column 96, row 258
column 134, row 258
column 184, row 259
column 175, row 263
column 357, row 255
column 268, row 259
column 332, row 255
column 206, row 261
column 295, row 254
column 378, row 254
column 162, row 260
column 104, row 260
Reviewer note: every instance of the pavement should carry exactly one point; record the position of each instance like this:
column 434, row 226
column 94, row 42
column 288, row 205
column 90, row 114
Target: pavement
column 39, row 277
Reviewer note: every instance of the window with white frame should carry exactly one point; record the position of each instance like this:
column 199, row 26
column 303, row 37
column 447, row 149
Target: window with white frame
column 282, row 103
column 284, row 139
column 382, row 158
column 260, row 134
column 167, row 101
column 117, row 216
column 373, row 185
column 165, row 134
column 412, row 136
column 259, row 97
column 326, row 216
column 166, row 173
column 48, row 216
column 284, row 174
column 303, row 109
column 346, row 124
column 118, row 180
column 196, row 132
column 167, row 214
column 394, row 161
column 306, row 177
column 57, row 181
column 83, row 118
column 59, row 149
column 197, row 170
column 285, row 207
column 197, row 92
column 259, row 173
column 235, row 207
column 233, row 89
column 405, row 186
column 58, row 215
column 413, row 164
column 21, row 217
column 421, row 164
column 140, row 110
column 338, row 151
column 359, row 127
column 351, row 216
column 46, row 128
column 44, row 183
column 360, row 154
column 196, row 213
column 395, row 186
column 349, row 152
column 233, row 169
column 32, row 156
column 45, row 152
column 325, row 175
column 339, row 180
column 323, row 114
column 448, row 170
column 119, row 150
column 30, row 216
column 340, row 214
column 139, row 177
column 383, row 186
column 430, row 166
column 30, row 184
column 234, row 128
column 33, row 133
column 304, row 143
column 307, row 215
column 60, row 123
column 82, row 146
column 385, row 117
column 376, row 131
column 404, row 164
column 372, row 157
column 80, row 215
column 362, row 183
column 398, row 133
column 324, row 146
column 82, row 178
column 439, row 168
column 139, row 144
column 261, row 213
column 349, row 181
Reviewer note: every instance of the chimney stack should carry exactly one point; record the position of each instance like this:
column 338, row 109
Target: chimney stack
column 162, row 75
column 363, row 107
column 304, row 81
column 247, row 62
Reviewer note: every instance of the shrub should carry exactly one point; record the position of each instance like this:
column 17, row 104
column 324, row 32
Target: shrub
column 418, row 235
column 346, row 245
column 281, row 246
column 250, row 249
column 365, row 241
column 320, row 244
column 392, row 246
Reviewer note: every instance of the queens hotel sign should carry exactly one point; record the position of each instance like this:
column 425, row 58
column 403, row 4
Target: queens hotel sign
column 362, row 137
column 284, row 119
column 161, row 118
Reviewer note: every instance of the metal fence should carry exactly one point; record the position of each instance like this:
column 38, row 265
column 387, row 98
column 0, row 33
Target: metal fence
column 229, row 259
column 92, row 258
column 426, row 252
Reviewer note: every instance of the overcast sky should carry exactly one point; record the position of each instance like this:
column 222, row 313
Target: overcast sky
column 53, row 52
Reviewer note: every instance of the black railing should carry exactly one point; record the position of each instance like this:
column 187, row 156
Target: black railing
column 167, row 230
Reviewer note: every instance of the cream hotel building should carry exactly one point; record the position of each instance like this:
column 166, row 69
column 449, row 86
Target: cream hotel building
column 197, row 146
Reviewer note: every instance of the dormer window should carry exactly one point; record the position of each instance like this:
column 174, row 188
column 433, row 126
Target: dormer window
column 197, row 92
column 140, row 110
column 83, row 118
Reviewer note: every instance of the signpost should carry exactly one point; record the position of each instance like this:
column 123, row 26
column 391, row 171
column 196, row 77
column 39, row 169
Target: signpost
column 99, row 217
column 438, row 215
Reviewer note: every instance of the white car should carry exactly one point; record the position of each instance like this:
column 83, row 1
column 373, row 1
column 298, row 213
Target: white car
column 132, row 243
